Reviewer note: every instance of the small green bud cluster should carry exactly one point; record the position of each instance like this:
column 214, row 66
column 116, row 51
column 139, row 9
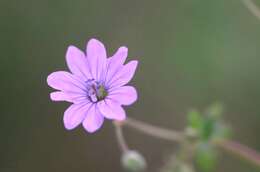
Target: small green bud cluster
column 204, row 129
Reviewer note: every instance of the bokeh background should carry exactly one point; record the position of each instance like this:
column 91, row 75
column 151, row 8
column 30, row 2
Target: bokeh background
column 191, row 53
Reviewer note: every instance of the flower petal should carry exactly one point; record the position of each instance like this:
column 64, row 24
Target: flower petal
column 93, row 120
column 72, row 97
column 75, row 114
column 96, row 55
column 111, row 109
column 77, row 62
column 116, row 62
column 65, row 81
column 125, row 95
column 59, row 96
column 123, row 76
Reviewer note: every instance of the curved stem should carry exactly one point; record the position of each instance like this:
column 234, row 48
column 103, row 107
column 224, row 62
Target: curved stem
column 175, row 136
column 154, row 131
column 252, row 8
column 240, row 150
column 120, row 137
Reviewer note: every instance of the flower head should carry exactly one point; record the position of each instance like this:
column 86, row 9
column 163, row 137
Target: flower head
column 95, row 86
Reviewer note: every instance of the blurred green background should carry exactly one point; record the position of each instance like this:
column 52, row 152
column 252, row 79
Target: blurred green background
column 191, row 53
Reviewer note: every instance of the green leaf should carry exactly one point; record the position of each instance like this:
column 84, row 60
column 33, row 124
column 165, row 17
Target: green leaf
column 205, row 157
column 208, row 127
column 195, row 120
column 214, row 111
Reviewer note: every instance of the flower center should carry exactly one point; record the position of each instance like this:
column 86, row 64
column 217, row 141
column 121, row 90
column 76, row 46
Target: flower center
column 95, row 90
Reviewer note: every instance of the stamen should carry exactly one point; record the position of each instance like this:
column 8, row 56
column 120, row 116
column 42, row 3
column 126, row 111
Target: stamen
column 95, row 91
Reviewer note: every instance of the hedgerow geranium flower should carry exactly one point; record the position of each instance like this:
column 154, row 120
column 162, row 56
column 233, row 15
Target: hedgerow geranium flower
column 95, row 87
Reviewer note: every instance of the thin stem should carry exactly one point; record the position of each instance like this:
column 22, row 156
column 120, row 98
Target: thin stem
column 240, row 150
column 251, row 6
column 120, row 137
column 154, row 131
column 175, row 136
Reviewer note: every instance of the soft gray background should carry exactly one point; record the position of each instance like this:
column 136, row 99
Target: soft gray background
column 191, row 53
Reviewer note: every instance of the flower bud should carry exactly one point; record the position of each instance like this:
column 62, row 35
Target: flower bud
column 133, row 161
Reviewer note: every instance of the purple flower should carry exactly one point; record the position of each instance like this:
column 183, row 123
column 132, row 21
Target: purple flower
column 95, row 87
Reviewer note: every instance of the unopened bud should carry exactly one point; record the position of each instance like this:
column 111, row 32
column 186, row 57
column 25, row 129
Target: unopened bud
column 133, row 161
